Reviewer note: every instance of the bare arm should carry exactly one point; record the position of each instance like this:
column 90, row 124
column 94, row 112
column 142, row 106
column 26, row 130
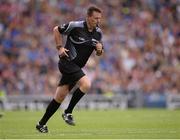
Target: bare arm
column 58, row 41
column 57, row 37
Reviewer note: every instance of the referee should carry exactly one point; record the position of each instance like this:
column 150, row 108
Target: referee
column 83, row 37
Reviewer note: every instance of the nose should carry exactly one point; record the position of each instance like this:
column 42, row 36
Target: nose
column 98, row 21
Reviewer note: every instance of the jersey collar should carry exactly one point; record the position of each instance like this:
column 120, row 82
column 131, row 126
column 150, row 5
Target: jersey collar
column 86, row 27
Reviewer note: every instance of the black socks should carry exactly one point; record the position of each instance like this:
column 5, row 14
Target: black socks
column 53, row 106
column 77, row 95
column 51, row 109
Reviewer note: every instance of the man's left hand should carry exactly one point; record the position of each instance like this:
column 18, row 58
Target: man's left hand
column 99, row 49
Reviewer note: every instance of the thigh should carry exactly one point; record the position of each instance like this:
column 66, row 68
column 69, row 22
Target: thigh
column 84, row 84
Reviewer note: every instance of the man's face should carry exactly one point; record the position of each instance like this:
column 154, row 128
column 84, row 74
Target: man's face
column 94, row 19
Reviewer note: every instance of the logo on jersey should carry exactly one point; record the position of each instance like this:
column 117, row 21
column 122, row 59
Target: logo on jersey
column 80, row 38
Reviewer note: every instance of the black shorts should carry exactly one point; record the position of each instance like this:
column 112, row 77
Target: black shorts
column 71, row 72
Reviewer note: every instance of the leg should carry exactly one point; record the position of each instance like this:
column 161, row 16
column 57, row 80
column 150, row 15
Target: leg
column 60, row 94
column 84, row 86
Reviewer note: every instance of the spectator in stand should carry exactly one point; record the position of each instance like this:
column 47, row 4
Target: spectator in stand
column 143, row 40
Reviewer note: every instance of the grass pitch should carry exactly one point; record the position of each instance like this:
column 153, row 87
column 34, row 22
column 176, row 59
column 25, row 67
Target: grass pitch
column 109, row 124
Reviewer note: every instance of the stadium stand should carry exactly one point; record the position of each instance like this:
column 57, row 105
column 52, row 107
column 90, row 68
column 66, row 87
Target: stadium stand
column 141, row 39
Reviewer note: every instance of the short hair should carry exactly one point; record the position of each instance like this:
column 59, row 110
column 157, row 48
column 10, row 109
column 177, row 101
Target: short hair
column 93, row 8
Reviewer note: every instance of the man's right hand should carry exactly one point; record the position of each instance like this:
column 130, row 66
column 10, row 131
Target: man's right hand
column 63, row 52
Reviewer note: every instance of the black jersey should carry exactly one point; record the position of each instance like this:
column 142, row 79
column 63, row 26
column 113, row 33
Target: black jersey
column 80, row 42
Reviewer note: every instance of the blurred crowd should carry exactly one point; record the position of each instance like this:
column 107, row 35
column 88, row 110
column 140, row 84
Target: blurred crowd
column 141, row 42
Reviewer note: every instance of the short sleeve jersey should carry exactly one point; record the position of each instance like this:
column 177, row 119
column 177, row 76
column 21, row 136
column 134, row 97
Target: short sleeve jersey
column 80, row 42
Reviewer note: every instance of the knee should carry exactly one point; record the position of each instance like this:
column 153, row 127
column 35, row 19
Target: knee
column 61, row 94
column 84, row 87
column 60, row 97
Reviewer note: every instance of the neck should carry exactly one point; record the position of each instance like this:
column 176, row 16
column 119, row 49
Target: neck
column 90, row 28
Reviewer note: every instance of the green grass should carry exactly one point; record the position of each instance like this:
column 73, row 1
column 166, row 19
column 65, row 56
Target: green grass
column 110, row 124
